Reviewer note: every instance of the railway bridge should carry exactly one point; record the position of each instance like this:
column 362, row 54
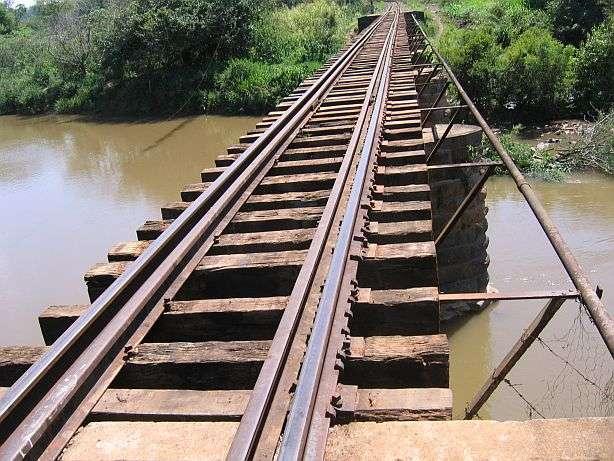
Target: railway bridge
column 289, row 305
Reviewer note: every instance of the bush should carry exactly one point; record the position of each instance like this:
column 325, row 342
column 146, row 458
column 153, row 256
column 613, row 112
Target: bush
column 308, row 32
column 539, row 164
column 594, row 69
column 532, row 73
column 247, row 86
column 472, row 54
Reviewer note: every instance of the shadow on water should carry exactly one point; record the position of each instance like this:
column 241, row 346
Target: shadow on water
column 172, row 132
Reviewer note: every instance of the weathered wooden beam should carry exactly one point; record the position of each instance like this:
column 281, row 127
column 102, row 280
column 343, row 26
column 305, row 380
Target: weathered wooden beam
column 397, row 265
column 397, row 362
column 401, row 158
column 151, row 230
column 306, row 199
column 127, row 251
column 385, row 212
column 400, row 232
column 261, row 242
column 15, row 360
column 316, row 141
column 251, row 274
column 404, row 193
column 421, row 404
column 408, row 311
column 271, row 220
column 296, row 183
column 402, row 175
column 377, row 312
column 379, row 361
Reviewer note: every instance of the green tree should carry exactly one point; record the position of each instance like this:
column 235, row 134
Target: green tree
column 594, row 69
column 532, row 73
column 472, row 54
column 7, row 19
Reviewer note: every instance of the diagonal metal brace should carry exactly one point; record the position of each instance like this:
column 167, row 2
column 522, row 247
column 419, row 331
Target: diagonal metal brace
column 434, row 106
column 463, row 206
column 519, row 348
column 443, row 137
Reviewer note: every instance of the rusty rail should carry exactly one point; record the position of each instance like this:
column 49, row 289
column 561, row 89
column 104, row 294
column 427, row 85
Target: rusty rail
column 49, row 402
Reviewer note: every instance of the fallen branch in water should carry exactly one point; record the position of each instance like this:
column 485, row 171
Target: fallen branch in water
column 596, row 150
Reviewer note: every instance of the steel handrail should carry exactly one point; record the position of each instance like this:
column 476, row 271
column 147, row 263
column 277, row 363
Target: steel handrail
column 599, row 314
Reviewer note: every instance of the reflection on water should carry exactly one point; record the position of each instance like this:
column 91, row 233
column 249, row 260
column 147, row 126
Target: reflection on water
column 523, row 260
column 69, row 189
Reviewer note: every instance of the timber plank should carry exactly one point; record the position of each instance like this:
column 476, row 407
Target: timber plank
column 400, row 232
column 15, row 360
column 127, row 251
column 402, row 193
column 402, row 175
column 296, row 182
column 191, row 365
column 198, row 320
column 306, row 166
column 271, row 220
column 397, row 362
column 385, row 212
column 396, row 312
column 422, row 404
column 398, row 265
column 260, row 242
column 252, row 274
column 310, row 153
column 317, row 198
column 229, row 405
column 391, row 361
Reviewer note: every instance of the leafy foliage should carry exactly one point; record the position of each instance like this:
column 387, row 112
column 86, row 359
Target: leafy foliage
column 164, row 56
column 510, row 56
column 594, row 69
column 248, row 86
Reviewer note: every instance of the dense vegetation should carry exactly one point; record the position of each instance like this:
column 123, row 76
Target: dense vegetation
column 532, row 59
column 152, row 57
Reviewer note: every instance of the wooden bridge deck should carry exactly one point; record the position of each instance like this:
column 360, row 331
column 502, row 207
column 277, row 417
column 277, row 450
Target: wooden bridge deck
column 181, row 388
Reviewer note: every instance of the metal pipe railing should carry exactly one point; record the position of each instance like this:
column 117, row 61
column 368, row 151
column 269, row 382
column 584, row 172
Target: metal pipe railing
column 595, row 307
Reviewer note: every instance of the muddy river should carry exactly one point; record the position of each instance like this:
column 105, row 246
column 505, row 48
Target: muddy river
column 71, row 188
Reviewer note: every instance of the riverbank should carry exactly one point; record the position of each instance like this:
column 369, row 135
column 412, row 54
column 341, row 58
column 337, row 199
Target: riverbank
column 147, row 57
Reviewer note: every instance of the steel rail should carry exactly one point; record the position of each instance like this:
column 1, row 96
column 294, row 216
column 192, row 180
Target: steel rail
column 299, row 419
column 597, row 310
column 22, row 427
column 246, row 438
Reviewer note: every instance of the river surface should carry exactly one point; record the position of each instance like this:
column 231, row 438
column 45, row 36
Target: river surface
column 70, row 188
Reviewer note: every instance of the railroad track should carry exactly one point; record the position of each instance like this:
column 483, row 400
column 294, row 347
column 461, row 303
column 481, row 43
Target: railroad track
column 293, row 288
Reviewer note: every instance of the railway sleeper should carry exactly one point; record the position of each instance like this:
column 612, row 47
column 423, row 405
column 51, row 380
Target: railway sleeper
column 273, row 273
column 409, row 311
column 374, row 362
column 222, row 405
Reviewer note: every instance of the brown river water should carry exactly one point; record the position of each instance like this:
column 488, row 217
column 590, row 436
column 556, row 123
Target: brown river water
column 71, row 188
